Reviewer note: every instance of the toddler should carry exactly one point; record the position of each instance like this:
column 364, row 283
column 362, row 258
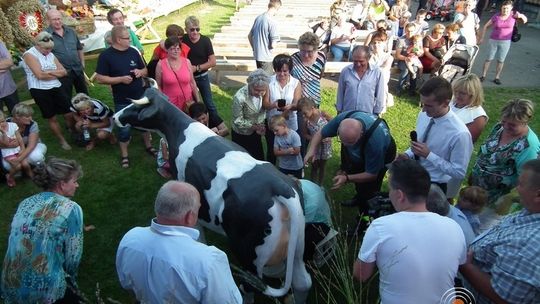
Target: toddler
column 412, row 53
column 287, row 147
column 471, row 201
column 92, row 114
column 163, row 164
column 9, row 132
column 314, row 120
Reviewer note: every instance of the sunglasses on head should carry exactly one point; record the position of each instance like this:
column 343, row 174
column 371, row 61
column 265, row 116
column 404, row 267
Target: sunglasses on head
column 46, row 39
column 198, row 29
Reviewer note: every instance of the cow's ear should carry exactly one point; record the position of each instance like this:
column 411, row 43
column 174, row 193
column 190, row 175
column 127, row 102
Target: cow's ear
column 148, row 113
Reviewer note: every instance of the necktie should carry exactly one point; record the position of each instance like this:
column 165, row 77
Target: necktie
column 428, row 128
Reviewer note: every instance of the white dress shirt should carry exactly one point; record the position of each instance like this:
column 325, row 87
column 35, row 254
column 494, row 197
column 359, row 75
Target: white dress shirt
column 450, row 146
column 165, row 264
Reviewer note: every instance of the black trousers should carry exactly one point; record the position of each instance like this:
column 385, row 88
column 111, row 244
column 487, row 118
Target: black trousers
column 71, row 80
column 366, row 191
column 252, row 143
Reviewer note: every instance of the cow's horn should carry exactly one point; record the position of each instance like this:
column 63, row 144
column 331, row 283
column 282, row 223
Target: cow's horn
column 141, row 101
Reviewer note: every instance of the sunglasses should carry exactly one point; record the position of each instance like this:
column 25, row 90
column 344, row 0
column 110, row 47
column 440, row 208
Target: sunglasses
column 46, row 39
column 198, row 29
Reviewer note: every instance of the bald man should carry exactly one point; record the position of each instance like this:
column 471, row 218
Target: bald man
column 368, row 145
column 69, row 51
column 164, row 263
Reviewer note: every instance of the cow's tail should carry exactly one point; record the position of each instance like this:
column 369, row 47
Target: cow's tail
column 295, row 248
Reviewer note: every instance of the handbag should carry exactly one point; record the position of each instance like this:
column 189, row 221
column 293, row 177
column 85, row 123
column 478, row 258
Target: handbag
column 516, row 36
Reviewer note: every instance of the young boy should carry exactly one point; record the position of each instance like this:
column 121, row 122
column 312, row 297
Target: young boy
column 287, row 147
column 92, row 114
column 422, row 27
column 471, row 201
column 414, row 60
column 199, row 112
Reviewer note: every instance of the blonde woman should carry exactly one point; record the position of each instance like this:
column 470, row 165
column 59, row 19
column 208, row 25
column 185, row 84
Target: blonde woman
column 43, row 71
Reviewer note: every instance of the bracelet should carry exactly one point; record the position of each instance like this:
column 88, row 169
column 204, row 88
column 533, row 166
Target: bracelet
column 198, row 67
column 347, row 178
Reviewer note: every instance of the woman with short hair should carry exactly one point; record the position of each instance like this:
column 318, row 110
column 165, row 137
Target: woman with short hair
column 434, row 49
column 29, row 130
column 174, row 76
column 248, row 113
column 43, row 71
column 510, row 144
column 46, row 240
column 285, row 91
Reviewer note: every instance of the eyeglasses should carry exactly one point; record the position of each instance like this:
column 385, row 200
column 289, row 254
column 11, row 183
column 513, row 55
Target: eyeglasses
column 174, row 49
column 125, row 38
column 46, row 39
column 307, row 52
column 198, row 29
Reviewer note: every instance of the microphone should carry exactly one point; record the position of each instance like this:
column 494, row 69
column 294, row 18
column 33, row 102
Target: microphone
column 414, row 137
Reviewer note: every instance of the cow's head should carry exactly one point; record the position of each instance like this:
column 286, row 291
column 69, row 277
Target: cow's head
column 146, row 113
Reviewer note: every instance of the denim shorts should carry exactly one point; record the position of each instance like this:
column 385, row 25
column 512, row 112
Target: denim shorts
column 498, row 49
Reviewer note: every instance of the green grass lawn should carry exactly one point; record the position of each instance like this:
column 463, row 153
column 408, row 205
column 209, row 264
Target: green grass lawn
column 115, row 199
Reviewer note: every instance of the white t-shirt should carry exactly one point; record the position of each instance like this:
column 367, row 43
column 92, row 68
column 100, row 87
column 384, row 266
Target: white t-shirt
column 469, row 26
column 417, row 254
column 10, row 133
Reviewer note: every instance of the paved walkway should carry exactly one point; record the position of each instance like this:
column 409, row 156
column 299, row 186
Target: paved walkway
column 522, row 66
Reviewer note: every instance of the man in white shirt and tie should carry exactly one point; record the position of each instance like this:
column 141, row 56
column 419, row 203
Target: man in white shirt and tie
column 445, row 145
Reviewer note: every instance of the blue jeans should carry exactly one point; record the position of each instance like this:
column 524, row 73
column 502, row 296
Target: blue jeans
column 403, row 75
column 203, row 83
column 339, row 51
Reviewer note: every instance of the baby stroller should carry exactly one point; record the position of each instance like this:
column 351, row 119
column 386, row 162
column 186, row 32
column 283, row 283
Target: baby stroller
column 440, row 9
column 457, row 61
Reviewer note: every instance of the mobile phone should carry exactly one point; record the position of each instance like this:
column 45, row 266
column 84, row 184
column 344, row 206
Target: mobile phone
column 414, row 137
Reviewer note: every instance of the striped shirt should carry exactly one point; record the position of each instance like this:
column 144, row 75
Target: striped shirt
column 47, row 64
column 309, row 76
column 101, row 111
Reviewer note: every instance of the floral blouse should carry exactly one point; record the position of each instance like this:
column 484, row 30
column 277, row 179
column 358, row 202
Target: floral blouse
column 497, row 167
column 44, row 249
column 247, row 111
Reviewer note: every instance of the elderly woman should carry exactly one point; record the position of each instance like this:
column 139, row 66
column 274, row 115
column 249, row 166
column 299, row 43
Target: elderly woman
column 453, row 36
column 8, row 88
column 46, row 240
column 500, row 38
column 434, row 49
column 285, row 91
column 43, row 71
column 174, row 76
column 248, row 113
column 308, row 66
column 467, row 104
column 29, row 130
column 509, row 145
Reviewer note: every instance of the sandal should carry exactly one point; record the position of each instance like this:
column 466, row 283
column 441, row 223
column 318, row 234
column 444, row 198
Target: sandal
column 10, row 181
column 124, row 162
column 497, row 81
column 152, row 151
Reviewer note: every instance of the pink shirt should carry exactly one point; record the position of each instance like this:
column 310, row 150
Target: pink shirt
column 502, row 29
column 176, row 84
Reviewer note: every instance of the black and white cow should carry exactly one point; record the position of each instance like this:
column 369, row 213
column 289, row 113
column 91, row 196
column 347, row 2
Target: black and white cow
column 257, row 207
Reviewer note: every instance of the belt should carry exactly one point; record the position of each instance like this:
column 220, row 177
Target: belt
column 201, row 75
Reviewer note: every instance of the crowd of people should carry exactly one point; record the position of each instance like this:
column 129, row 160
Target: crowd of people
column 281, row 102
